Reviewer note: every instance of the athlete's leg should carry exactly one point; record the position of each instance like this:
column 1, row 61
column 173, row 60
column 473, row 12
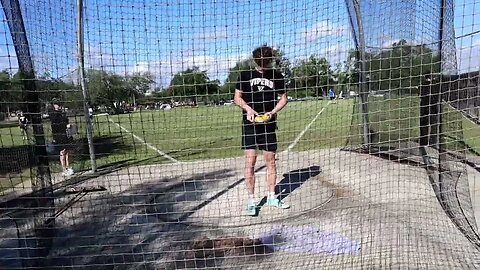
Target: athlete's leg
column 67, row 158
column 249, row 146
column 269, row 153
column 250, row 160
column 63, row 159
column 270, row 162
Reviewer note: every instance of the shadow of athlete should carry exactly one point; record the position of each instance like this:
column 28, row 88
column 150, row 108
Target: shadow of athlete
column 292, row 181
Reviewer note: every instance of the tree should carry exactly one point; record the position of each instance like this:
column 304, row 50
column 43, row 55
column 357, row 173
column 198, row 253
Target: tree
column 9, row 98
column 12, row 96
column 139, row 83
column 106, row 89
column 313, row 74
column 192, row 82
column 110, row 89
column 50, row 88
column 283, row 64
column 232, row 79
column 400, row 67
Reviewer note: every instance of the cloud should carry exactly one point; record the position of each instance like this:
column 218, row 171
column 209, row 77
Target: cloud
column 217, row 66
column 468, row 57
column 335, row 53
column 386, row 42
column 217, row 33
column 323, row 29
column 98, row 56
column 213, row 35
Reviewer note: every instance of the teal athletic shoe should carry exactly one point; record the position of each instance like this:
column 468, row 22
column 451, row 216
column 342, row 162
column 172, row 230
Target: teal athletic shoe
column 251, row 209
column 273, row 201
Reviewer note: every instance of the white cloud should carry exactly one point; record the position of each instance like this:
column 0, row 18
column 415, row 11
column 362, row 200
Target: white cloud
column 386, row 42
column 216, row 66
column 216, row 33
column 323, row 29
column 70, row 75
column 213, row 35
column 335, row 53
column 469, row 57
column 98, row 56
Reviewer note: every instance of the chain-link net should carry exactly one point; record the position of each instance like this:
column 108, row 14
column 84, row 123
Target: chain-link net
column 372, row 162
column 413, row 107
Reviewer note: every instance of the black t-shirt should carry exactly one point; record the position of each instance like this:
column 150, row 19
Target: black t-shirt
column 261, row 90
column 59, row 121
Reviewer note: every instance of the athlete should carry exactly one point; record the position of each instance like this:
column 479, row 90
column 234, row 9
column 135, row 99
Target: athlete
column 261, row 92
column 62, row 137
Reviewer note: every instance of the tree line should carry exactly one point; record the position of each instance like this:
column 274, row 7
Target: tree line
column 104, row 88
column 397, row 68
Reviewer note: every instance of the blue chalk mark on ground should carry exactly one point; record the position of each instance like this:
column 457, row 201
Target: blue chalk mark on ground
column 307, row 239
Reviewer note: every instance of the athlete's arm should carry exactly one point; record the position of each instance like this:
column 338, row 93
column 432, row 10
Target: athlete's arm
column 242, row 104
column 239, row 100
column 281, row 103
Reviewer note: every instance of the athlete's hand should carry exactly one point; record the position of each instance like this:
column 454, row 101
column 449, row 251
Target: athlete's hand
column 251, row 115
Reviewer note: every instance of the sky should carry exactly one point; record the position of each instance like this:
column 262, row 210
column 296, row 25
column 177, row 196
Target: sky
column 165, row 37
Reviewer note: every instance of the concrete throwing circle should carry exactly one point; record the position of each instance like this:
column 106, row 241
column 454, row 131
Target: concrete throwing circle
column 229, row 209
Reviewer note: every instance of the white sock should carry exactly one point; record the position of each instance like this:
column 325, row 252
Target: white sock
column 251, row 198
column 271, row 194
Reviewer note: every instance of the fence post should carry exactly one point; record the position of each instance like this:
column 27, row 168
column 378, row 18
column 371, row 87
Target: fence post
column 81, row 77
column 364, row 82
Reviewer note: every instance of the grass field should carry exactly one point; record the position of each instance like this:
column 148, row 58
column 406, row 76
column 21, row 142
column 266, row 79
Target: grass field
column 187, row 134
column 215, row 132
column 398, row 119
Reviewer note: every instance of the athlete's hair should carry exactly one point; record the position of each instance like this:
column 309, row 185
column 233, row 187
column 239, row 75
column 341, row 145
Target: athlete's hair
column 263, row 56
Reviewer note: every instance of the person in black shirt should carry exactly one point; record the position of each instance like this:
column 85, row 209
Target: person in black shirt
column 62, row 139
column 261, row 92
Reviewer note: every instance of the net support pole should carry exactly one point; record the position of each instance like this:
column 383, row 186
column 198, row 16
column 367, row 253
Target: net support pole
column 360, row 43
column 81, row 77
column 37, row 241
column 440, row 137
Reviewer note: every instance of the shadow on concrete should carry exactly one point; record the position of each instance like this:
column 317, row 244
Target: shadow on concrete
column 125, row 229
column 292, row 181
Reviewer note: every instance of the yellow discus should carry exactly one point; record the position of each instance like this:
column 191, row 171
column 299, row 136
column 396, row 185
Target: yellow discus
column 262, row 118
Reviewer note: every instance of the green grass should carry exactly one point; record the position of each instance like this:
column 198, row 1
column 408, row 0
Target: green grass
column 391, row 119
column 11, row 139
column 215, row 132
column 11, row 135
column 471, row 133
column 331, row 128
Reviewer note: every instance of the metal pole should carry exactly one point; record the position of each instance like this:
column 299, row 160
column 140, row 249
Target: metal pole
column 38, row 240
column 363, row 78
column 440, row 126
column 81, row 77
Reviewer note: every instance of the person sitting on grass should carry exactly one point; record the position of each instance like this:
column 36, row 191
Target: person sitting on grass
column 261, row 91
column 62, row 138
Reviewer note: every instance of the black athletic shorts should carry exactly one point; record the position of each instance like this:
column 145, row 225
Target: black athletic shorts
column 260, row 136
column 63, row 142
